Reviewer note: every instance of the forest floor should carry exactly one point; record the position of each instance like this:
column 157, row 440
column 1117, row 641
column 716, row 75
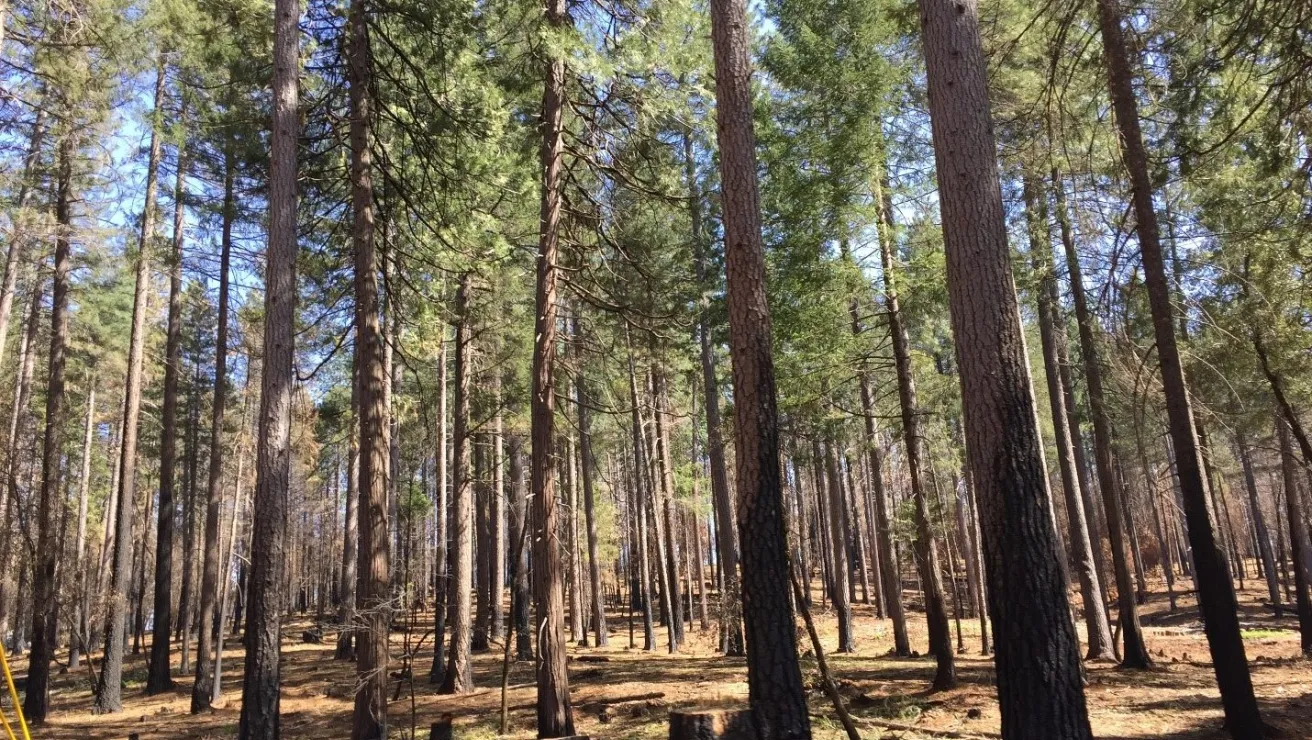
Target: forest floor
column 628, row 694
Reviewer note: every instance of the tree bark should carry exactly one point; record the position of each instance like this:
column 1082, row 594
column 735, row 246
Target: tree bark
column 109, row 697
column 17, row 240
column 264, row 605
column 81, row 599
column 1040, row 687
column 555, row 716
column 1300, row 543
column 44, row 604
column 373, row 575
column 841, row 557
column 774, row 679
column 1259, row 524
column 588, row 466
column 158, row 678
column 1095, row 616
column 1215, row 591
column 459, row 675
column 442, row 517
column 522, row 594
column 346, row 616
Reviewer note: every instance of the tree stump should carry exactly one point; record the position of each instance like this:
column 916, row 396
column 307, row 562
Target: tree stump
column 441, row 730
column 732, row 724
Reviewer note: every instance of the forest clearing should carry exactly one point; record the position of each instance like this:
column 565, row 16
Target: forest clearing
column 701, row 369
column 630, row 694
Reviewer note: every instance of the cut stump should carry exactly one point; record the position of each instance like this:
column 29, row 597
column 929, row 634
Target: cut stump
column 733, row 724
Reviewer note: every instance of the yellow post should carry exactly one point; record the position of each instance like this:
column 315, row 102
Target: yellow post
column 13, row 693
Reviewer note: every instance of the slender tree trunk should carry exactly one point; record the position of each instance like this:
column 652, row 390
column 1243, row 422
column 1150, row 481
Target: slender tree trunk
column 774, row 679
column 1134, row 653
column 191, row 453
column 1040, row 687
column 554, row 713
column 731, row 630
column 1099, row 631
column 81, row 601
column 211, row 580
column 351, row 527
column 1300, row 543
column 522, row 594
column 1215, row 591
column 940, row 638
column 459, row 675
column 442, row 514
column 44, row 605
column 1264, row 549
column 499, row 541
column 109, row 696
column 841, row 557
column 158, row 678
column 18, row 240
column 264, row 606
column 588, row 472
column 665, row 504
column 373, row 586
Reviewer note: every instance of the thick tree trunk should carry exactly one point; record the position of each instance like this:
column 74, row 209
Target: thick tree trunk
column 555, row 716
column 211, row 580
column 459, row 675
column 109, row 696
column 774, row 679
column 373, row 575
column 1134, row 653
column 1215, row 591
column 44, row 605
column 264, row 605
column 1086, row 571
column 158, row 678
column 1040, row 689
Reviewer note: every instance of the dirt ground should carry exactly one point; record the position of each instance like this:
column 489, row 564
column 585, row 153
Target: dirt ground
column 629, row 694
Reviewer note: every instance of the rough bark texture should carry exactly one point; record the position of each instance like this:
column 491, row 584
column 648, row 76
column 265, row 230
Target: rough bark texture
column 522, row 591
column 1215, row 591
column 157, row 678
column 459, row 675
column 261, row 696
column 346, row 635
column 211, row 580
column 1300, row 545
column 1040, row 689
column 774, row 679
column 1086, row 570
column 44, row 606
column 555, row 715
column 109, row 696
column 373, row 584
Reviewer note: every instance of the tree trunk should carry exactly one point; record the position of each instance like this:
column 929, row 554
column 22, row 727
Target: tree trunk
column 555, row 716
column 499, row 542
column 373, row 576
column 81, row 599
column 731, row 629
column 442, row 517
column 841, row 557
column 774, row 679
column 521, row 596
column 940, row 638
column 1040, row 689
column 1134, row 653
column 459, row 675
column 588, row 466
column 109, row 697
column 667, row 527
column 211, row 580
column 1300, row 543
column 158, row 678
column 14, row 255
column 44, row 605
column 1095, row 616
column 346, row 636
column 1264, row 549
column 264, row 605
column 1215, row 591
